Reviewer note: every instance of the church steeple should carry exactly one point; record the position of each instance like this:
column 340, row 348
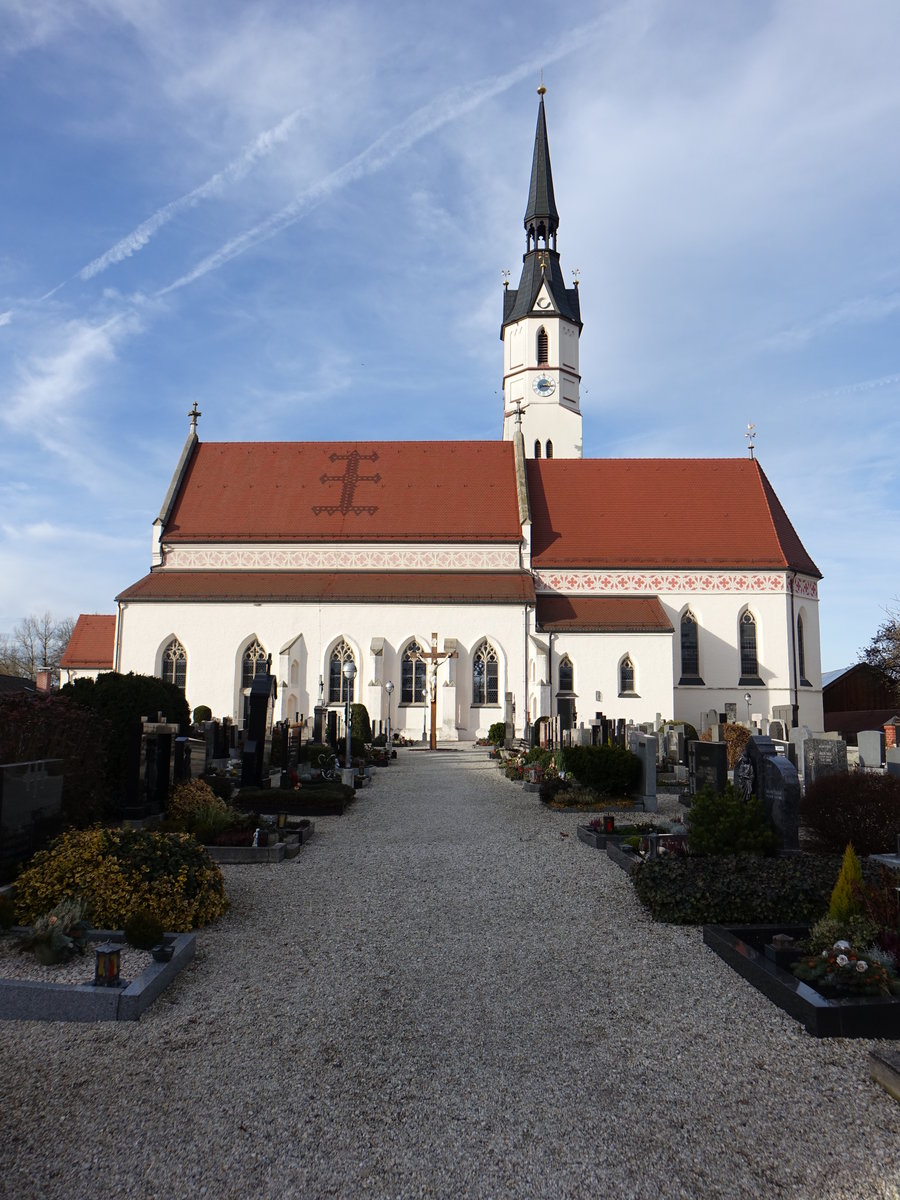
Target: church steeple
column 541, row 216
column 541, row 326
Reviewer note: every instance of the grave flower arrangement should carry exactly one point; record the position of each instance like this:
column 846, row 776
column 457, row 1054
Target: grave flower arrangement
column 843, row 969
column 60, row 934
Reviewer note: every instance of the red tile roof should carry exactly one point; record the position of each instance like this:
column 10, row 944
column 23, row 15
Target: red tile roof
column 92, row 644
column 367, row 587
column 712, row 513
column 602, row 614
column 347, row 491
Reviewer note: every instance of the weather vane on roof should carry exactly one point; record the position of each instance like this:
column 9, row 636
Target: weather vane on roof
column 750, row 435
column 505, row 274
column 194, row 414
column 543, row 261
column 576, row 275
column 541, row 88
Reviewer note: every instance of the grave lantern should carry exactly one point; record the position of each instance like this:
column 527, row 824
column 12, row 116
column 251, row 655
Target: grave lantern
column 282, row 820
column 609, row 824
column 106, row 965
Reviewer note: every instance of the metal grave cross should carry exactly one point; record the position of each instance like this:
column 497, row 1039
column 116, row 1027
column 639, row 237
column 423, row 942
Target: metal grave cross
column 433, row 659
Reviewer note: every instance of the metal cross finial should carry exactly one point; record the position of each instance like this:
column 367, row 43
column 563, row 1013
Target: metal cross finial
column 194, row 414
column 750, row 435
column 543, row 261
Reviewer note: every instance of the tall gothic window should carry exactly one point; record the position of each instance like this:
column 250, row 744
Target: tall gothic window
column 566, row 675
column 543, row 346
column 690, row 649
column 801, row 652
column 412, row 676
column 253, row 663
column 549, row 448
column 626, row 676
column 537, row 447
column 340, row 689
column 749, row 661
column 485, row 675
column 174, row 664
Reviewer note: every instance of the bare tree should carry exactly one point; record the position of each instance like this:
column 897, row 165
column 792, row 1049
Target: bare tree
column 884, row 649
column 36, row 644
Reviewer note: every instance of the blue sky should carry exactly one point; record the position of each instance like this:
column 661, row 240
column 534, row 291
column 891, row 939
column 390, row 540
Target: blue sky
column 296, row 215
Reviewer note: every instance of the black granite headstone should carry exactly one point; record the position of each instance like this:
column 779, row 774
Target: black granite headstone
column 258, row 739
column 707, row 766
column 761, row 771
column 823, row 756
column 30, row 800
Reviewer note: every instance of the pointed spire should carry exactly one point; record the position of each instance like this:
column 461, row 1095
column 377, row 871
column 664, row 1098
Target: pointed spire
column 541, row 216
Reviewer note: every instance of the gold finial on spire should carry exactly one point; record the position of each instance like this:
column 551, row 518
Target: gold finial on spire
column 750, row 435
column 505, row 274
column 541, row 89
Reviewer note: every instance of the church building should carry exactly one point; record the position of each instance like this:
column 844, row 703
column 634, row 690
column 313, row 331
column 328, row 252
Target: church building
column 556, row 585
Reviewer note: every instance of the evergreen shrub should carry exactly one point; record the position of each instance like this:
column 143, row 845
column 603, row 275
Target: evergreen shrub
column 116, row 871
column 736, row 889
column 360, row 725
column 846, row 899
column 729, row 824
column 610, row 770
column 143, row 930
column 497, row 733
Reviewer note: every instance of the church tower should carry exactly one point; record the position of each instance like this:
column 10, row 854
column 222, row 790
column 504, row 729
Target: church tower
column 541, row 328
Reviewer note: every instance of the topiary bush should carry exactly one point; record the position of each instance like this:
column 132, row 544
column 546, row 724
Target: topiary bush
column 360, row 725
column 497, row 733
column 202, row 713
column 859, row 807
column 116, row 871
column 737, row 889
column 610, row 770
column 729, row 824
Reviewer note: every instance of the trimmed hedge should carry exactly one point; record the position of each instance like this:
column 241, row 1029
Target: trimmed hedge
column 859, row 807
column 729, row 824
column 740, row 889
column 609, row 770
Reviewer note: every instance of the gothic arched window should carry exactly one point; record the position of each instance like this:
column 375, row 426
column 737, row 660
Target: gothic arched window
column 543, row 346
column 566, row 675
column 626, row 677
column 253, row 663
column 801, row 652
column 412, row 676
column 749, row 660
column 537, row 447
column 485, row 675
column 690, row 648
column 174, row 664
column 549, row 448
column 340, row 689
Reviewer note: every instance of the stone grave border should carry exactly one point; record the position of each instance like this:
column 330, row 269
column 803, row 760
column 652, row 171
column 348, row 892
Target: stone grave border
column 263, row 854
column 28, row 1000
column 849, row 1017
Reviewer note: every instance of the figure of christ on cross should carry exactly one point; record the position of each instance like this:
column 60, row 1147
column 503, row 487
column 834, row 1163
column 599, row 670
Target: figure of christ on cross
column 432, row 659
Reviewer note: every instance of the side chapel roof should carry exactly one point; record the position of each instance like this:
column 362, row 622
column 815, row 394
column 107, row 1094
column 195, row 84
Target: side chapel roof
column 92, row 644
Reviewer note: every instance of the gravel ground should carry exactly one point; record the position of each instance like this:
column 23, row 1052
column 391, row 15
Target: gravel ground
column 446, row 995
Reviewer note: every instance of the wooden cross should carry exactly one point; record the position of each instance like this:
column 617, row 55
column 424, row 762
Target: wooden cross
column 433, row 659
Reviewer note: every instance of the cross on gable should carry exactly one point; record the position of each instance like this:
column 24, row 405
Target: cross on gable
column 350, row 478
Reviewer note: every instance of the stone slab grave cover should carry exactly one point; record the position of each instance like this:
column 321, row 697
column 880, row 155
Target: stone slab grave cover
column 871, row 747
column 645, row 746
column 707, row 766
column 823, row 756
column 763, row 772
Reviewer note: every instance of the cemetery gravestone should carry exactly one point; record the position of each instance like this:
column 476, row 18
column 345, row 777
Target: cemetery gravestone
column 707, row 766
column 730, row 713
column 823, row 756
column 30, row 798
column 645, row 746
column 258, row 741
column 762, row 772
column 776, row 731
column 783, row 713
column 871, row 748
column 892, row 761
column 709, row 719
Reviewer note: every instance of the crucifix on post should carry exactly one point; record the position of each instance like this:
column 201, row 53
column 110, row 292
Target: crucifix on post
column 432, row 659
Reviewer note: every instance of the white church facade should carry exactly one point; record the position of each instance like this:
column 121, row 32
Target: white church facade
column 556, row 585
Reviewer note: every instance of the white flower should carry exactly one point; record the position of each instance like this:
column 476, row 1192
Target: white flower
column 842, row 960
column 862, row 966
column 841, row 945
column 824, row 953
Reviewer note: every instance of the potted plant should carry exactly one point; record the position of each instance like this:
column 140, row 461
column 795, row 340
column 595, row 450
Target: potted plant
column 60, row 934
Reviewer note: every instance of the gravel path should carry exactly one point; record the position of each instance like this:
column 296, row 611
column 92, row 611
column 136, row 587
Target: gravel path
column 446, row 995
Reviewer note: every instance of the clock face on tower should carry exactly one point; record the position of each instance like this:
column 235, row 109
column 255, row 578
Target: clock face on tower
column 544, row 385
